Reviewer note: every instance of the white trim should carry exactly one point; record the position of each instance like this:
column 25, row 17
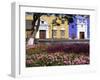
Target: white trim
column 54, row 28
column 15, row 51
column 62, row 28
column 81, row 29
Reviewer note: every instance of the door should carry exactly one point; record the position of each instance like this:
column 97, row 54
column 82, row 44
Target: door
column 42, row 34
column 81, row 35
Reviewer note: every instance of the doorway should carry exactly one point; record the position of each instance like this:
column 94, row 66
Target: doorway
column 42, row 34
column 82, row 35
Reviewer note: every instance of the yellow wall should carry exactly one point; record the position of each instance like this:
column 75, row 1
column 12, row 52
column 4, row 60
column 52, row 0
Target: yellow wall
column 29, row 17
column 49, row 19
column 59, row 28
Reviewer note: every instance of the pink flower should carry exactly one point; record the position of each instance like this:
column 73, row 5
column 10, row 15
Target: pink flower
column 29, row 61
column 66, row 62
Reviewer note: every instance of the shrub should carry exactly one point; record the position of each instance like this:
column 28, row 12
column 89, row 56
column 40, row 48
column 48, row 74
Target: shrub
column 69, row 48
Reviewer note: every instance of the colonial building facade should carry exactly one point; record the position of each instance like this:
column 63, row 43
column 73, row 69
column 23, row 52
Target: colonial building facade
column 59, row 28
column 43, row 31
column 79, row 29
column 82, row 27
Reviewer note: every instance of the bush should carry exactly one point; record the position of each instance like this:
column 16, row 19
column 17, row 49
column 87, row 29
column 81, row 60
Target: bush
column 69, row 48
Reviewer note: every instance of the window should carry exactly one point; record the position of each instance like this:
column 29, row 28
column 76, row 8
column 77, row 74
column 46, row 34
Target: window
column 80, row 20
column 72, row 26
column 62, row 32
column 63, row 21
column 81, row 25
column 28, row 24
column 54, row 32
column 84, row 20
column 54, row 21
column 42, row 22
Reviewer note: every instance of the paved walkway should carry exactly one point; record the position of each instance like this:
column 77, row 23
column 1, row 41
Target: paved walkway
column 61, row 41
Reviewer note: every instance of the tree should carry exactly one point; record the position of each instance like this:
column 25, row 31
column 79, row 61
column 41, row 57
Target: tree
column 69, row 17
column 35, row 26
column 34, row 29
column 36, row 23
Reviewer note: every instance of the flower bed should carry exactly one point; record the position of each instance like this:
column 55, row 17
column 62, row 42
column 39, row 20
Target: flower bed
column 56, row 59
column 48, row 55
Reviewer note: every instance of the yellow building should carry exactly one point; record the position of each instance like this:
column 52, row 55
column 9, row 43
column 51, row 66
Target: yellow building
column 57, row 27
column 28, row 21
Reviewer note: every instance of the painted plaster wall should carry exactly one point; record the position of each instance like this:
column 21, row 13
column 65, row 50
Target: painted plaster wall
column 82, row 26
column 73, row 29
